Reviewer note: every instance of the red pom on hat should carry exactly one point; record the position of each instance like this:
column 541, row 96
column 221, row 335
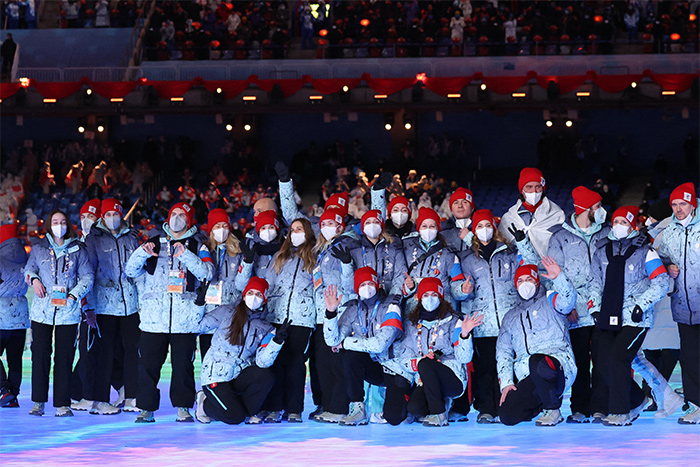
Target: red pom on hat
column 482, row 215
column 333, row 215
column 111, row 204
column 7, row 232
column 218, row 215
column 425, row 214
column 462, row 193
column 259, row 284
column 267, row 218
column 363, row 275
column 628, row 212
column 188, row 210
column 530, row 174
column 399, row 200
column 338, row 201
column 584, row 198
column 430, row 284
column 527, row 270
column 685, row 192
column 372, row 214
column 91, row 207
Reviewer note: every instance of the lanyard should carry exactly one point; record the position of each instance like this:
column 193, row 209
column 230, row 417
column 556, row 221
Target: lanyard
column 364, row 328
column 54, row 266
column 431, row 341
column 170, row 256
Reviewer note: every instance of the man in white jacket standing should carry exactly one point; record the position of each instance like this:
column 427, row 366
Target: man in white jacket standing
column 533, row 214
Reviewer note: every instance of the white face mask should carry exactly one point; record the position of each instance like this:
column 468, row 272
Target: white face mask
column 268, row 235
column 298, row 238
column 527, row 290
column 463, row 223
column 620, row 231
column 367, row 291
column 328, row 232
column 85, row 225
column 430, row 302
column 372, row 230
column 220, row 235
column 112, row 223
column 485, row 234
column 253, row 301
column 532, row 198
column 428, row 235
column 399, row 218
column 59, row 230
column 177, row 223
column 600, row 215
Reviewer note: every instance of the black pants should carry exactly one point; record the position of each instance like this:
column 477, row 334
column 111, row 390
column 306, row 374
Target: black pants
column 582, row 346
column 82, row 384
column 153, row 351
column 359, row 367
column 485, row 377
column 231, row 402
column 42, row 337
column 664, row 360
column 616, row 350
column 290, row 373
column 690, row 361
column 541, row 389
column 316, row 392
column 204, row 344
column 113, row 329
column 439, row 383
column 12, row 344
column 331, row 376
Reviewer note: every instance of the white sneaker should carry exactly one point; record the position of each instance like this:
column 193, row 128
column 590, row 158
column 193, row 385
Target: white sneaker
column 577, row 417
column 328, row 417
column 63, row 412
column 84, row 404
column 254, row 420
column 356, row 416
column 377, row 418
column 618, row 419
column 634, row 413
column 130, row 406
column 598, row 417
column 436, row 420
column 104, row 408
column 692, row 415
column 38, row 409
column 120, row 399
column 200, row 414
column 550, row 418
column 183, row 415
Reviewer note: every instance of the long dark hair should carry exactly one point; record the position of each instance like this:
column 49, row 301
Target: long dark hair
column 235, row 330
column 444, row 309
column 70, row 232
column 304, row 251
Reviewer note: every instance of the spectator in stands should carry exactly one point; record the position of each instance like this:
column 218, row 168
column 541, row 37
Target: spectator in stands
column 72, row 11
column 7, row 51
column 307, row 29
column 12, row 12
column 631, row 21
column 74, row 179
column 46, row 178
column 102, row 14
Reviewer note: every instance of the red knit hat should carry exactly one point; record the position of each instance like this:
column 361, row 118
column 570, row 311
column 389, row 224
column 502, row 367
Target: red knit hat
column 267, row 218
column 91, row 207
column 338, row 201
column 365, row 274
column 530, row 174
column 527, row 270
column 462, row 193
column 334, row 215
column 482, row 215
column 425, row 214
column 584, row 198
column 430, row 284
column 372, row 214
column 7, row 232
column 218, row 215
column 259, row 284
column 188, row 210
column 685, row 192
column 628, row 212
column 399, row 200
column 111, row 204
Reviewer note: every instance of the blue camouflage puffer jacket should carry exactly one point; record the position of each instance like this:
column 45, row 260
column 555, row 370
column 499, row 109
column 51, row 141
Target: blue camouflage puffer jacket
column 14, row 310
column 291, row 293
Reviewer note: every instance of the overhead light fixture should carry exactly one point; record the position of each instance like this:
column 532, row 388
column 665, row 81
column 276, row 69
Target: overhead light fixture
column 177, row 99
column 88, row 96
column 344, row 94
column 24, row 82
column 315, row 98
column 49, row 100
column 549, row 123
column 454, row 96
column 407, row 121
column 229, row 126
column 388, row 121
column 633, row 84
column 219, row 96
column 249, row 98
column 116, row 100
column 101, row 125
column 519, row 95
column 668, row 93
column 248, row 122
column 380, row 97
column 346, row 88
column 569, row 123
column 483, row 87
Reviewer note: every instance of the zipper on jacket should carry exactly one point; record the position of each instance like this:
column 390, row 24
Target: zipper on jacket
column 685, row 276
column 493, row 290
column 522, row 323
column 294, row 280
column 121, row 287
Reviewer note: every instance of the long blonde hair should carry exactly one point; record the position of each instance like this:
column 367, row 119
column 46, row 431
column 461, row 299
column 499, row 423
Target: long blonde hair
column 233, row 246
column 322, row 243
column 497, row 237
column 304, row 251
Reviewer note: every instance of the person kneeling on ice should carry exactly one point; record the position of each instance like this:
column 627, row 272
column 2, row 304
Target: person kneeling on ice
column 436, row 348
column 533, row 344
column 236, row 376
column 364, row 334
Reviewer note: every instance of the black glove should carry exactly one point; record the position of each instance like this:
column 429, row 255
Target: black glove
column 637, row 314
column 517, row 233
column 384, row 180
column 282, row 171
column 201, row 293
column 331, row 314
column 342, row 254
column 282, row 332
column 248, row 252
column 595, row 317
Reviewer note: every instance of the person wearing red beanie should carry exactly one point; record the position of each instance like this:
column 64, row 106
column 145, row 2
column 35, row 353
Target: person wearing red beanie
column 679, row 248
column 180, row 218
column 456, row 232
column 624, row 221
column 533, row 214
column 339, row 201
column 331, row 223
column 398, row 221
column 111, row 211
column 89, row 214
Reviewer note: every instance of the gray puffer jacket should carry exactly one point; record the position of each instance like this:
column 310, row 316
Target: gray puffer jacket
column 70, row 268
column 14, row 311
column 291, row 293
column 450, row 232
column 233, row 273
column 114, row 293
column 329, row 271
column 385, row 258
column 537, row 326
column 172, row 312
